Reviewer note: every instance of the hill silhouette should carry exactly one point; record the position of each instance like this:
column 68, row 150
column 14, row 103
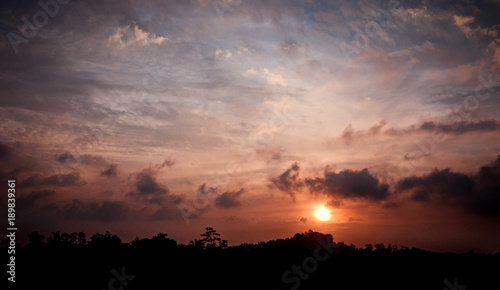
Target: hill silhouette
column 309, row 260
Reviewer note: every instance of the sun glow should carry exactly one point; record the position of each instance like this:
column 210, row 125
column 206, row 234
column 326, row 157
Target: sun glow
column 322, row 214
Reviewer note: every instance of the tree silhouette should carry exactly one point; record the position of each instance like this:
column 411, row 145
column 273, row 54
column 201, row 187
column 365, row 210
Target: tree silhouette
column 380, row 246
column 36, row 238
column 262, row 263
column 55, row 239
column 105, row 240
column 211, row 240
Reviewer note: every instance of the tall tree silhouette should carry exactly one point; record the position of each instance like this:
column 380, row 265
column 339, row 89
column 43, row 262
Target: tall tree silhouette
column 211, row 240
column 36, row 238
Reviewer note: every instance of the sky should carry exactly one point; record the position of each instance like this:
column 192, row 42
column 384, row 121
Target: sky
column 139, row 117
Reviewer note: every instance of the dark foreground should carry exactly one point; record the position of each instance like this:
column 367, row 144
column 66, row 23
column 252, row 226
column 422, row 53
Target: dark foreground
column 307, row 261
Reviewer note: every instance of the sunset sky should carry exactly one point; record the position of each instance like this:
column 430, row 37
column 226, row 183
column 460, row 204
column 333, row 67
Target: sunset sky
column 139, row 117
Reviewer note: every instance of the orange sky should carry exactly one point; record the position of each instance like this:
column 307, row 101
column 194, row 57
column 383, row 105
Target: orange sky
column 172, row 117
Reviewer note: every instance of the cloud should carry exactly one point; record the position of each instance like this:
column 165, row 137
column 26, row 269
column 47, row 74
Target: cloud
column 110, row 171
column 131, row 34
column 165, row 213
column 70, row 179
column 270, row 77
column 349, row 133
column 276, row 157
column 169, row 209
column 147, row 187
column 167, row 163
column 290, row 48
column 229, row 199
column 273, row 78
column 377, row 127
column 442, row 182
column 207, row 190
column 478, row 193
column 303, row 220
column 223, row 53
column 391, row 204
column 487, row 194
column 336, row 203
column 250, row 73
column 462, row 22
column 66, row 157
column 289, row 181
column 33, row 198
column 456, row 128
column 349, row 184
column 86, row 159
column 106, row 211
column 461, row 127
column 5, row 151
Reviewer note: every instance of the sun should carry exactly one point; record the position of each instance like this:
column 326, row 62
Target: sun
column 322, row 214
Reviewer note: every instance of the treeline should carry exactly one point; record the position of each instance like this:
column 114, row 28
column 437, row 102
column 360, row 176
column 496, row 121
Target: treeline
column 309, row 260
column 211, row 240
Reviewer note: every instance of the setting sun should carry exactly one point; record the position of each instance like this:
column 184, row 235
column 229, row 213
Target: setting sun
column 322, row 214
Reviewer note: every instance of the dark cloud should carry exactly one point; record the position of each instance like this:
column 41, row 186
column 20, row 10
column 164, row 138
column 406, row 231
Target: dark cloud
column 349, row 133
column 70, row 179
column 5, row 151
column 457, row 128
column 445, row 183
column 208, row 190
column 168, row 163
column 92, row 159
column 87, row 159
column 377, row 127
column 461, row 127
column 303, row 220
column 106, row 211
column 336, row 203
column 391, row 205
column 169, row 209
column 147, row 188
column 276, row 157
column 289, row 181
column 479, row 193
column 487, row 194
column 229, row 199
column 110, row 171
column 66, row 158
column 146, row 184
column 349, row 184
column 33, row 198
column 165, row 213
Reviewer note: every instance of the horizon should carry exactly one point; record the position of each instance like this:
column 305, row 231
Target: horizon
column 229, row 245
column 373, row 121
